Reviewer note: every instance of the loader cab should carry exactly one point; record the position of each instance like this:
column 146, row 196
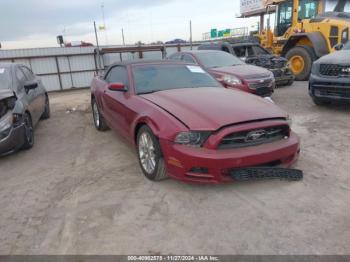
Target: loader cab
column 308, row 9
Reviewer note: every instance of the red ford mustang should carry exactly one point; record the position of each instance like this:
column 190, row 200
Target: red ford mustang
column 187, row 125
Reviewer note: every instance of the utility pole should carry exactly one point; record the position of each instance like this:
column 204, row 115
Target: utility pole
column 98, row 48
column 104, row 22
column 191, row 34
column 123, row 37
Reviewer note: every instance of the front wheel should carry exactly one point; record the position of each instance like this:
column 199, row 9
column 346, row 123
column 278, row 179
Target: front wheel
column 47, row 112
column 28, row 132
column 290, row 82
column 150, row 155
column 300, row 59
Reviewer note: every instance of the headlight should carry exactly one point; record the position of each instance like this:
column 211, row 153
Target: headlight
column 6, row 124
column 290, row 121
column 192, row 138
column 232, row 80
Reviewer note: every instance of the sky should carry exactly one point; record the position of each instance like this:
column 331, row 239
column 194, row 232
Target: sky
column 36, row 23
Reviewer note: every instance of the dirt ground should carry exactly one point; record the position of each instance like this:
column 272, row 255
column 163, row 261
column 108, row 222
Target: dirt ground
column 79, row 191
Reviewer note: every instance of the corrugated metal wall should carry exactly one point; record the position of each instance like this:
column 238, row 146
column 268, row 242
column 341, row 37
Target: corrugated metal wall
column 74, row 67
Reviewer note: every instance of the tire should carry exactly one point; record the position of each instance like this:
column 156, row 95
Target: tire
column 29, row 132
column 47, row 112
column 146, row 141
column 303, row 57
column 290, row 82
column 320, row 102
column 99, row 121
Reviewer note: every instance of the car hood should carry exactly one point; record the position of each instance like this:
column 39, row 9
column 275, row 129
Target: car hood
column 243, row 71
column 339, row 57
column 6, row 93
column 212, row 108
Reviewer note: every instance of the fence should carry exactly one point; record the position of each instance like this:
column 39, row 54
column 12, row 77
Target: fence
column 74, row 67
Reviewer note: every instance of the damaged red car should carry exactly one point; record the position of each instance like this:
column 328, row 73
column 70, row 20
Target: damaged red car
column 186, row 125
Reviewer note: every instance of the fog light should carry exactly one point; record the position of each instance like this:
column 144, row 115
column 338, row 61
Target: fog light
column 199, row 170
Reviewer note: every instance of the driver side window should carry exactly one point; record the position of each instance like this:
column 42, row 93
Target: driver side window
column 118, row 74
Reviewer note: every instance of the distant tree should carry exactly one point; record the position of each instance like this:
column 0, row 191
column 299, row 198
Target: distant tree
column 139, row 43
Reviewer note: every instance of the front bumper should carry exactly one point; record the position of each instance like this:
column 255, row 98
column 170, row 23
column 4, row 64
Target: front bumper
column 330, row 88
column 13, row 141
column 283, row 75
column 262, row 87
column 181, row 160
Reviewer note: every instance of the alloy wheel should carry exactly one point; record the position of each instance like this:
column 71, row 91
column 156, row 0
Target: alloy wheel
column 96, row 114
column 28, row 129
column 147, row 153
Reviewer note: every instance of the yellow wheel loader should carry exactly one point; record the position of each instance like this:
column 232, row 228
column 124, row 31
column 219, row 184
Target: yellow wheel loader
column 304, row 31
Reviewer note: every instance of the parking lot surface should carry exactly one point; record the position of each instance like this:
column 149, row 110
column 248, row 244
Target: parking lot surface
column 79, row 191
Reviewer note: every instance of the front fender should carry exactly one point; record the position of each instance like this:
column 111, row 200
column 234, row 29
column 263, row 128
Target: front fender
column 20, row 108
column 317, row 40
column 163, row 125
column 145, row 120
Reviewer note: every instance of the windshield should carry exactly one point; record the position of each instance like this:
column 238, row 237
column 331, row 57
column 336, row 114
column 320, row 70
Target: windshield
column 218, row 59
column 153, row 78
column 5, row 80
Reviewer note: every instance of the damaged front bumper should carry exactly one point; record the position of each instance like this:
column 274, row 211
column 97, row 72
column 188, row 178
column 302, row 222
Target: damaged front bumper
column 13, row 141
column 283, row 76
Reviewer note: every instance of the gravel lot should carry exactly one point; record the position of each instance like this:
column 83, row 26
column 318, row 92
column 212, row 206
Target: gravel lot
column 82, row 192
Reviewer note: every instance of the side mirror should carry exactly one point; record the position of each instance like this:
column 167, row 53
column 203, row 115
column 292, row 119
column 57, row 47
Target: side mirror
column 30, row 85
column 338, row 47
column 119, row 87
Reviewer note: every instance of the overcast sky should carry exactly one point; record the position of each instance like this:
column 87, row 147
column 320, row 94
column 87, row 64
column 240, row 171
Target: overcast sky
column 36, row 23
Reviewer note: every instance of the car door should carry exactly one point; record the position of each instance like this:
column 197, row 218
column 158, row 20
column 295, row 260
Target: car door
column 27, row 96
column 40, row 91
column 114, row 102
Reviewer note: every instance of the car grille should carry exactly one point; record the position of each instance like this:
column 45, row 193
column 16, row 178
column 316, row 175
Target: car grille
column 261, row 84
column 335, row 70
column 279, row 63
column 332, row 90
column 255, row 137
column 262, row 88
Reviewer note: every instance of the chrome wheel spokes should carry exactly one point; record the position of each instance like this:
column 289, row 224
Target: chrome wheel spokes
column 96, row 114
column 28, row 129
column 147, row 153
